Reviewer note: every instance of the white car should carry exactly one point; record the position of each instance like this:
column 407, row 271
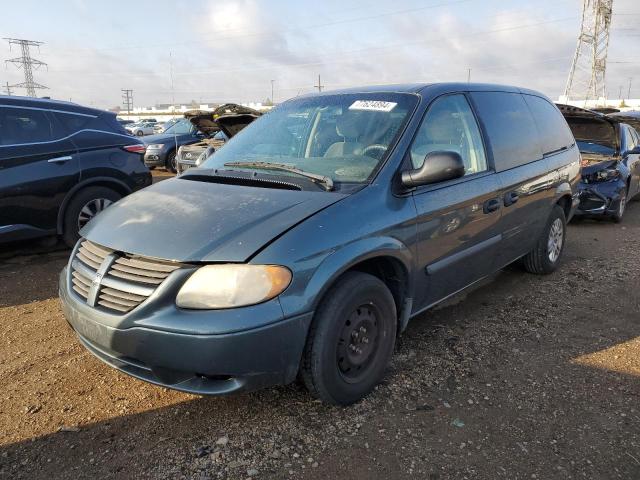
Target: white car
column 141, row 128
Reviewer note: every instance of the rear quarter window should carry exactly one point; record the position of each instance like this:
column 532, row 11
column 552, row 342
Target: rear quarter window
column 511, row 130
column 555, row 134
column 21, row 126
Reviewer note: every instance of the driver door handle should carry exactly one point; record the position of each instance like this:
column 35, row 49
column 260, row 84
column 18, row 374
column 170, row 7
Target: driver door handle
column 64, row 159
column 491, row 205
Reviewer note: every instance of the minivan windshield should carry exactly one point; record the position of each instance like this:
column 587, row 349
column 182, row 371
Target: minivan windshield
column 342, row 137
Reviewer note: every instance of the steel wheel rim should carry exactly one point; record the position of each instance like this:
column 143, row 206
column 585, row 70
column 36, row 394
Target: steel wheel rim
column 358, row 343
column 556, row 237
column 91, row 209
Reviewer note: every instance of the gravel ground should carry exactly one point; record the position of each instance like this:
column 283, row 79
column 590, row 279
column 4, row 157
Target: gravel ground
column 525, row 377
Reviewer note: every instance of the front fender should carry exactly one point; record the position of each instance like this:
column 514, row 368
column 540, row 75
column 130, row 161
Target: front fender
column 311, row 285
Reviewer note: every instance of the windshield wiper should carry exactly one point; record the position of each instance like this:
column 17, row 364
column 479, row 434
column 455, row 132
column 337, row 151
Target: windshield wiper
column 323, row 180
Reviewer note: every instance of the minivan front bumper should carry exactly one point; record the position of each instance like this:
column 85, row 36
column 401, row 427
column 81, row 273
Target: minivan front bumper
column 203, row 364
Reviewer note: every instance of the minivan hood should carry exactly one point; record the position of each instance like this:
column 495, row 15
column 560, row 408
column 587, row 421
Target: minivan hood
column 194, row 221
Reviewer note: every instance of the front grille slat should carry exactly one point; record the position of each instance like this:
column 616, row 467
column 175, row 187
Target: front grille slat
column 128, row 281
column 139, row 271
column 136, row 278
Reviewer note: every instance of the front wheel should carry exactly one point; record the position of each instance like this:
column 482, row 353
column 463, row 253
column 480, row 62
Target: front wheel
column 622, row 205
column 171, row 163
column 545, row 256
column 139, row 133
column 351, row 340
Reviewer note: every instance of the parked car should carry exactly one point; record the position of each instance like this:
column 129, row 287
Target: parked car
column 305, row 245
column 610, row 149
column 162, row 148
column 139, row 129
column 60, row 165
column 124, row 122
column 218, row 126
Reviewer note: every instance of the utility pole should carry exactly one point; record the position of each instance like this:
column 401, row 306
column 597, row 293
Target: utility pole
column 587, row 75
column 319, row 86
column 127, row 99
column 629, row 92
column 7, row 88
column 468, row 75
column 27, row 64
column 272, row 101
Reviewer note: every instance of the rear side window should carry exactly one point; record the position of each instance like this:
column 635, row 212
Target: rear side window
column 554, row 131
column 71, row 122
column 512, row 133
column 23, row 125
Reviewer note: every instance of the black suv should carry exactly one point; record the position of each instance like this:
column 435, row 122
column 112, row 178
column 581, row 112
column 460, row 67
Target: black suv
column 61, row 164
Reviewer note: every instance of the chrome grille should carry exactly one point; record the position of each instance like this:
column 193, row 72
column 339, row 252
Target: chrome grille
column 114, row 281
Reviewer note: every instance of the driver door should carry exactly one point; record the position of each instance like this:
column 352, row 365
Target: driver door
column 458, row 220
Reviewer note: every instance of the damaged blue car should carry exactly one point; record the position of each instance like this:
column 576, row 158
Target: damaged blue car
column 610, row 150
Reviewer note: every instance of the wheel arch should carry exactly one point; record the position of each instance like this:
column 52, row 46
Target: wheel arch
column 108, row 182
column 387, row 259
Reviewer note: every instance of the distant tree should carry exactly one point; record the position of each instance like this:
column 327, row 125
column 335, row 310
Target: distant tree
column 194, row 104
column 115, row 109
column 622, row 104
column 268, row 102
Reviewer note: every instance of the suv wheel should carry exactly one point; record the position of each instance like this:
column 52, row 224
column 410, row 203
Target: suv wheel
column 171, row 164
column 139, row 133
column 351, row 340
column 85, row 205
column 545, row 256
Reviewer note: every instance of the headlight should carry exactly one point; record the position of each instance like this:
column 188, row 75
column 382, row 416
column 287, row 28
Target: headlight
column 233, row 285
column 156, row 146
column 607, row 174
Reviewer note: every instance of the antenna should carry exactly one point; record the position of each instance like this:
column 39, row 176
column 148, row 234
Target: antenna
column 27, row 63
column 587, row 76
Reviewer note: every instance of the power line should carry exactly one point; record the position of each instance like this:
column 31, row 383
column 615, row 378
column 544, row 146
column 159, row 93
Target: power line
column 27, row 63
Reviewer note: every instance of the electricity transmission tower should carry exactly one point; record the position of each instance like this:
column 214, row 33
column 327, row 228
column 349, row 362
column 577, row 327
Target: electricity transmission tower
column 587, row 76
column 27, row 64
column 127, row 99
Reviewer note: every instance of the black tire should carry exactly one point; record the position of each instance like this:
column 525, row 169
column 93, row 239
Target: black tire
column 71, row 222
column 621, row 208
column 151, row 167
column 139, row 133
column 171, row 163
column 359, row 305
column 540, row 260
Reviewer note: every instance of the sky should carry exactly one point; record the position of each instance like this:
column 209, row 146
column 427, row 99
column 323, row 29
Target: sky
column 232, row 50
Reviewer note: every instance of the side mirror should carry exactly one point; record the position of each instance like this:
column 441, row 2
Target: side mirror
column 633, row 151
column 437, row 167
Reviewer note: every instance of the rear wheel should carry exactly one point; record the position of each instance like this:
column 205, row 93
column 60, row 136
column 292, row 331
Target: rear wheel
column 139, row 133
column 83, row 207
column 545, row 256
column 351, row 340
column 622, row 205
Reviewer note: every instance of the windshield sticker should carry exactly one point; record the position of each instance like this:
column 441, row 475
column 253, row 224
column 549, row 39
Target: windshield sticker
column 373, row 105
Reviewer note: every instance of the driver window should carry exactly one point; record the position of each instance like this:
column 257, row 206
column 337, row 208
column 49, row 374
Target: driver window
column 450, row 126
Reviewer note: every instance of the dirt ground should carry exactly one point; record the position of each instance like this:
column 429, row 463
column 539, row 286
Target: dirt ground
column 525, row 377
